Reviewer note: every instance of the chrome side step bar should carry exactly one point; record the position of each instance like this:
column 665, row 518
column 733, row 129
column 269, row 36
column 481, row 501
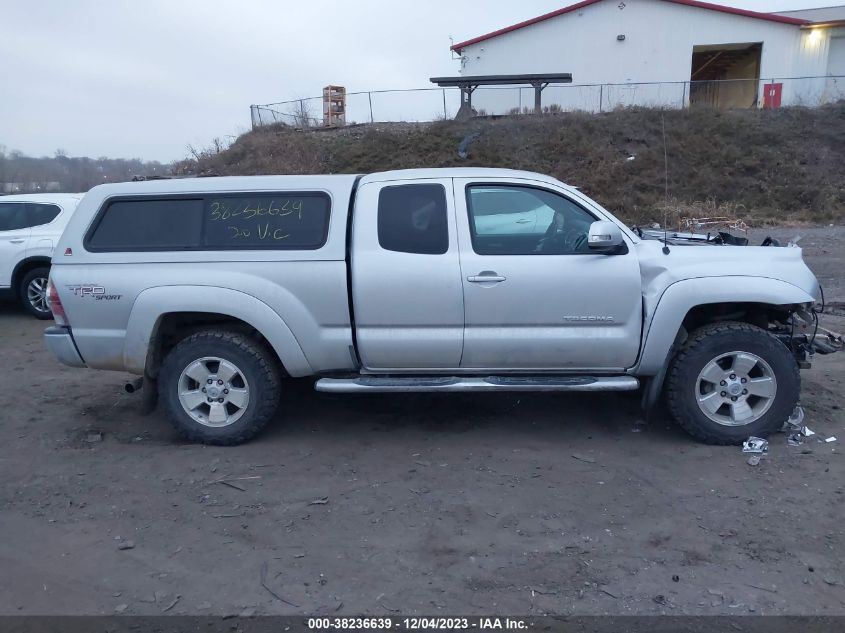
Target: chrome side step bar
column 415, row 384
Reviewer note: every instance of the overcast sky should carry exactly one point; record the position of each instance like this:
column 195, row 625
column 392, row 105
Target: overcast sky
column 148, row 77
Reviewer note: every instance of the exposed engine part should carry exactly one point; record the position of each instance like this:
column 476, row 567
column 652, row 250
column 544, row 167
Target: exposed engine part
column 805, row 337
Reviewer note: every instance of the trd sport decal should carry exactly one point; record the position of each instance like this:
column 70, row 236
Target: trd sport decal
column 97, row 292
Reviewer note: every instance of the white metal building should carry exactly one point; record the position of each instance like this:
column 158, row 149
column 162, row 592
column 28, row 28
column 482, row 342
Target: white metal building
column 665, row 53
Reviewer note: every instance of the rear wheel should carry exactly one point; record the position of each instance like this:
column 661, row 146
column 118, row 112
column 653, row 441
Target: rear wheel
column 732, row 380
column 219, row 387
column 33, row 293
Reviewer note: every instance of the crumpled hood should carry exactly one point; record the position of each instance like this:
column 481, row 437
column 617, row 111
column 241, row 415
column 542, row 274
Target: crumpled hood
column 659, row 271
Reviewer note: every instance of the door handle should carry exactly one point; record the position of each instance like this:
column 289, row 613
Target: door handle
column 19, row 240
column 522, row 221
column 480, row 279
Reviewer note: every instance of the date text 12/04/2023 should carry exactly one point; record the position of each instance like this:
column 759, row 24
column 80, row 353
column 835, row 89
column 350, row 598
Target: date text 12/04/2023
column 422, row 623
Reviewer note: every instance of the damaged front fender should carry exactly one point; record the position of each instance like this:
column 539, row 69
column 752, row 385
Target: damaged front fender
column 668, row 313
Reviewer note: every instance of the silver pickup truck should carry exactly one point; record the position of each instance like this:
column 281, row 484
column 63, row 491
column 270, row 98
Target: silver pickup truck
column 214, row 290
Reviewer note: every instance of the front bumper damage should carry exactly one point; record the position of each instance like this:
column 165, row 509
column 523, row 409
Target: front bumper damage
column 827, row 342
column 802, row 334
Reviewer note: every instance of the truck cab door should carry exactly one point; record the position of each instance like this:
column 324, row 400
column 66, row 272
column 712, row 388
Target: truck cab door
column 407, row 296
column 14, row 238
column 541, row 300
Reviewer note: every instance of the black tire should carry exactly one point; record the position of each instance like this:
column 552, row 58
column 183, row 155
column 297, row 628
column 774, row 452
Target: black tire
column 259, row 370
column 707, row 344
column 36, row 307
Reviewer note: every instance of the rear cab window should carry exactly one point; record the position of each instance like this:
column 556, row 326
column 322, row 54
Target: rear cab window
column 250, row 221
column 413, row 219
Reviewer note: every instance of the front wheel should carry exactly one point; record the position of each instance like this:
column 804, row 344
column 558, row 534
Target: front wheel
column 33, row 293
column 219, row 387
column 730, row 381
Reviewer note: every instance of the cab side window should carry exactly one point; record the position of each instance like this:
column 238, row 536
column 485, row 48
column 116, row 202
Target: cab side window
column 412, row 219
column 12, row 216
column 520, row 220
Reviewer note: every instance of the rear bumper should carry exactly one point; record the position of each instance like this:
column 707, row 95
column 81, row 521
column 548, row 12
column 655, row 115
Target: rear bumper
column 60, row 341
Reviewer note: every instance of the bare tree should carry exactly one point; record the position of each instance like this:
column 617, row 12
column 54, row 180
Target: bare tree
column 302, row 115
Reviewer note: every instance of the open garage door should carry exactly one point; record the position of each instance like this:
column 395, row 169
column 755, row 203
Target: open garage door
column 725, row 75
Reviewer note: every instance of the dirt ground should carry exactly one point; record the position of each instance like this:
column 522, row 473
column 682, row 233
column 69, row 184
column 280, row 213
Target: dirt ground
column 425, row 504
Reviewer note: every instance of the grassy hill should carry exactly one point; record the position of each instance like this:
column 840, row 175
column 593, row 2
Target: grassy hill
column 764, row 166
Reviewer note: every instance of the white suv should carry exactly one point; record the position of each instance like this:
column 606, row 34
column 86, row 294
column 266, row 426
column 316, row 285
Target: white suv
column 30, row 226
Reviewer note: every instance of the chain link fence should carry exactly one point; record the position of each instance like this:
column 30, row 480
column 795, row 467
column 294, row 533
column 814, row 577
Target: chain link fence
column 432, row 104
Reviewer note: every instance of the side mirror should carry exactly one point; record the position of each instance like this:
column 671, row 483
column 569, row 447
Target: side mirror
column 604, row 237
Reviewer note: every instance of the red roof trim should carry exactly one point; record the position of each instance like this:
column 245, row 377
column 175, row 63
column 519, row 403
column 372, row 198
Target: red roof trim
column 580, row 5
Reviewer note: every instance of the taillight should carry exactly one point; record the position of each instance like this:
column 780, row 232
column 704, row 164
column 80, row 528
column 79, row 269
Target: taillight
column 55, row 304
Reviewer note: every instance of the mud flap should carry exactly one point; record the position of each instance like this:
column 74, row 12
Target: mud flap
column 149, row 395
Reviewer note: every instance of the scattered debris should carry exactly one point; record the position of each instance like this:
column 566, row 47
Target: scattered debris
column 806, row 432
column 660, row 599
column 231, row 485
column 795, row 439
column 227, row 481
column 543, row 591
column 247, row 613
column 319, row 502
column 676, row 578
column 463, row 147
column 609, row 592
column 584, row 458
column 270, row 591
column 121, row 608
column 830, row 439
column 755, row 445
column 126, row 545
column 379, row 601
column 795, row 420
column 172, row 604
column 719, row 595
column 92, row 437
column 769, row 589
column 228, row 516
